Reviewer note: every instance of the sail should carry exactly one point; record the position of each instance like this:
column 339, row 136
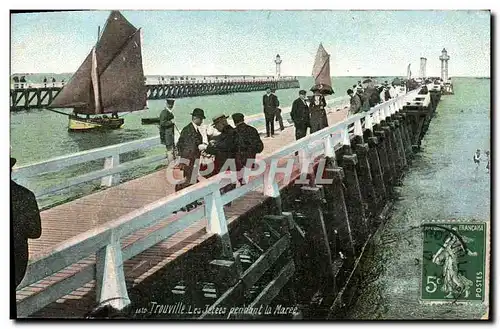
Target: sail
column 122, row 84
column 76, row 93
column 321, row 72
column 103, row 83
column 114, row 37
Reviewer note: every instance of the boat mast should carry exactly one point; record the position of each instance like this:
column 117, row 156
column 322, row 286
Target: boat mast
column 95, row 75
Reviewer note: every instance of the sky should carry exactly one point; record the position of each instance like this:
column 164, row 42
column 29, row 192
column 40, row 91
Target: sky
column 361, row 43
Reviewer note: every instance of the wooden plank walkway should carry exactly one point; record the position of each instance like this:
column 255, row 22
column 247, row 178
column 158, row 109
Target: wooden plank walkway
column 70, row 219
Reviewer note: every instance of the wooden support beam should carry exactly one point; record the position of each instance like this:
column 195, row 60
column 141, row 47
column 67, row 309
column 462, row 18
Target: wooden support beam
column 376, row 170
column 384, row 160
column 354, row 201
column 399, row 142
column 391, row 152
column 251, row 275
column 365, row 178
column 337, row 217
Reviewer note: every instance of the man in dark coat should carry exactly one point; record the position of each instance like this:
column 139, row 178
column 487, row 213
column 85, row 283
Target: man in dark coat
column 167, row 129
column 279, row 118
column 249, row 141
column 225, row 148
column 317, row 112
column 188, row 147
column 364, row 97
column 373, row 96
column 300, row 115
column 355, row 102
column 26, row 224
column 270, row 103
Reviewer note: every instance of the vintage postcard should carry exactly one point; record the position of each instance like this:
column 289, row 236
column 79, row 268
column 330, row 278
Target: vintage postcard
column 250, row 165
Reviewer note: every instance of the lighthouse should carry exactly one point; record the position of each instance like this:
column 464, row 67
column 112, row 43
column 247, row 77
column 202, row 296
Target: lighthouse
column 444, row 65
column 423, row 64
column 278, row 65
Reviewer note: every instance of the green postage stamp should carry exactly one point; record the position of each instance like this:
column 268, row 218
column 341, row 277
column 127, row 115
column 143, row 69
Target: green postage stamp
column 453, row 264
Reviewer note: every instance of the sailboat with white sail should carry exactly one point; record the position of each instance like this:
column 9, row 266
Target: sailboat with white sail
column 109, row 81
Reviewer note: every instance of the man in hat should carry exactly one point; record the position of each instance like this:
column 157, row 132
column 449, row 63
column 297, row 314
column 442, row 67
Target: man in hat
column 300, row 115
column 392, row 91
column 279, row 119
column 364, row 97
column 373, row 96
column 270, row 103
column 225, row 148
column 381, row 91
column 26, row 224
column 355, row 102
column 190, row 145
column 317, row 112
column 167, row 129
column 249, row 141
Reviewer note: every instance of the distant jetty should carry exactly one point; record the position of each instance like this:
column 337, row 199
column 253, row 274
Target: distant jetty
column 25, row 96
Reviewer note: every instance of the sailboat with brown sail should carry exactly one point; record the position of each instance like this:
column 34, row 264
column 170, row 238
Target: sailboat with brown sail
column 321, row 72
column 110, row 80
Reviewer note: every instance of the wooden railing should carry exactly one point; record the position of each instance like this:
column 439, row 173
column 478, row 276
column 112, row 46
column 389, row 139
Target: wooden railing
column 110, row 174
column 104, row 242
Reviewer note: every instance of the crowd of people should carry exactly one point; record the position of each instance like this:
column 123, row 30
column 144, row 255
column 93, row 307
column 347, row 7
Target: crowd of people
column 21, row 82
column 362, row 99
column 220, row 142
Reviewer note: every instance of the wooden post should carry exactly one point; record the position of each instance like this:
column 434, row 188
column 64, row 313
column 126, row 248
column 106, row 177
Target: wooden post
column 365, row 177
column 271, row 188
column 337, row 214
column 397, row 157
column 111, row 162
column 358, row 132
column 110, row 278
column 376, row 170
column 216, row 222
column 317, row 229
column 329, row 151
column 286, row 226
column 404, row 137
column 391, row 156
column 383, row 157
column 354, row 200
column 399, row 142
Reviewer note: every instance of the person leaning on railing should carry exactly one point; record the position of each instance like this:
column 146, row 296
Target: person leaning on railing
column 355, row 102
column 224, row 147
column 249, row 143
column 26, row 224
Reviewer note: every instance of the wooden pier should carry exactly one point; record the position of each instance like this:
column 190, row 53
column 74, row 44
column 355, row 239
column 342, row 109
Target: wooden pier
column 41, row 95
column 279, row 243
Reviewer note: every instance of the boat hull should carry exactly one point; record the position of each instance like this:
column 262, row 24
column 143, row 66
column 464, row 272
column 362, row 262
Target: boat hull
column 150, row 121
column 81, row 124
